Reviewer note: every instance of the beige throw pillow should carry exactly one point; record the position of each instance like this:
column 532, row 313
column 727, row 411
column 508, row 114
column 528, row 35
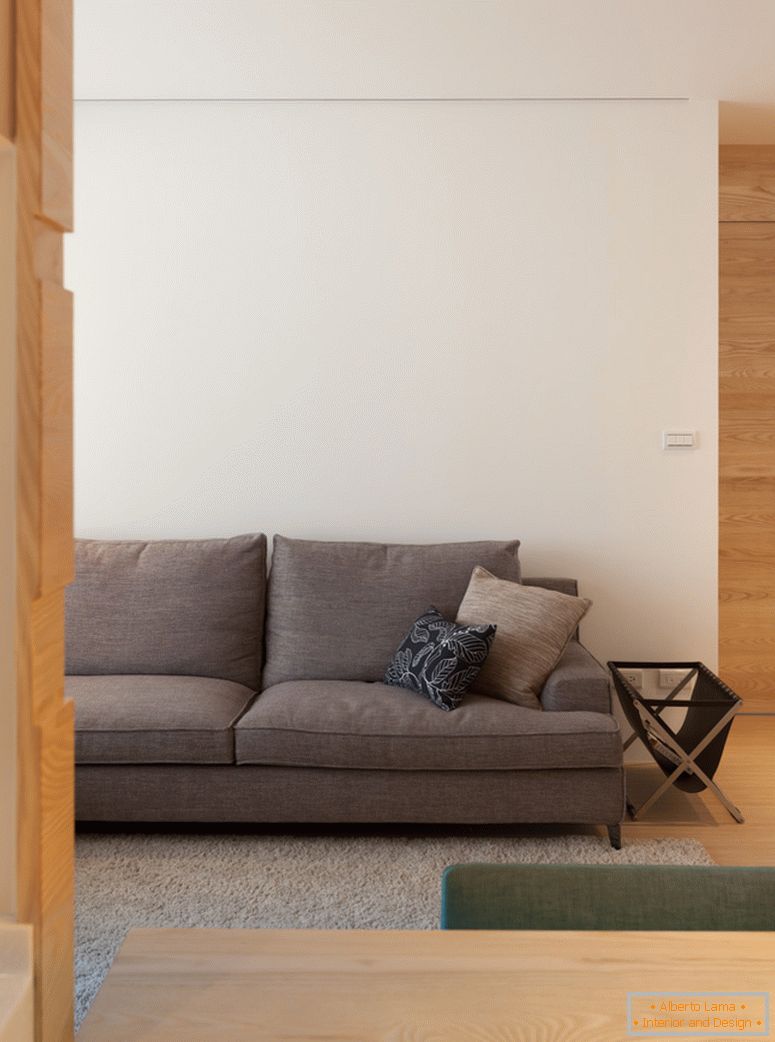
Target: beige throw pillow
column 534, row 625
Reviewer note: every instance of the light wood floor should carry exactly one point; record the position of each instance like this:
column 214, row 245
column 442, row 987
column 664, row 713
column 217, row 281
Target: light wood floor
column 747, row 776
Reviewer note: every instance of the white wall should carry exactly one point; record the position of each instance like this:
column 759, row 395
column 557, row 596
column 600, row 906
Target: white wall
column 436, row 48
column 409, row 321
column 7, row 531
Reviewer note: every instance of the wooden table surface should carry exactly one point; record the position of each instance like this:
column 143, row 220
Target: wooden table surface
column 409, row 986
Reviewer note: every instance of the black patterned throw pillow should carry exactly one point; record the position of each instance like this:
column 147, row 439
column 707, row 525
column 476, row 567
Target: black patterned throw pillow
column 440, row 659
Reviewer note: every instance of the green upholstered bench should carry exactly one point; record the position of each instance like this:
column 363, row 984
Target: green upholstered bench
column 607, row 897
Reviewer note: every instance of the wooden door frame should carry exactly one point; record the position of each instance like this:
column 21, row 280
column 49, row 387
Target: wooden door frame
column 36, row 128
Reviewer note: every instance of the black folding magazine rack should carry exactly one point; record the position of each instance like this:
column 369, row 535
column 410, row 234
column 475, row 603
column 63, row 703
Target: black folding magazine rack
column 689, row 755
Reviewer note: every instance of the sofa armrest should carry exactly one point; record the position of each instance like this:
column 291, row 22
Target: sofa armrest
column 578, row 682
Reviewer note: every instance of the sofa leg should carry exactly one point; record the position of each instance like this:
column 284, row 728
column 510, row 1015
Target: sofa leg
column 615, row 835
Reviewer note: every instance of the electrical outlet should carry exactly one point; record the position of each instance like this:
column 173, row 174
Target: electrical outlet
column 671, row 677
column 633, row 676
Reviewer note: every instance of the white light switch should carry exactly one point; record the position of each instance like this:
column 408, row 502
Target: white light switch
column 678, row 440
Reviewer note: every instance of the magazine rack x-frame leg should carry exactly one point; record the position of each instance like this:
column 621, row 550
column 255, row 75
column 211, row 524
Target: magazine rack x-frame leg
column 685, row 761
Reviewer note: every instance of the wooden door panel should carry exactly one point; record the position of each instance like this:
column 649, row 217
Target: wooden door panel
column 755, row 677
column 748, row 252
column 747, row 423
column 759, row 380
column 747, row 183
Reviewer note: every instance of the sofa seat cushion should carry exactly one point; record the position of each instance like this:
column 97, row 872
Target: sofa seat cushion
column 319, row 723
column 155, row 719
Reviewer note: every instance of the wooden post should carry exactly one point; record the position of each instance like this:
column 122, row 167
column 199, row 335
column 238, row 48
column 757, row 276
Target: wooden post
column 38, row 114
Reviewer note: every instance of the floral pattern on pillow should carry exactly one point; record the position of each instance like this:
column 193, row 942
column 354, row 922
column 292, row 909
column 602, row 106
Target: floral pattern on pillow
column 440, row 659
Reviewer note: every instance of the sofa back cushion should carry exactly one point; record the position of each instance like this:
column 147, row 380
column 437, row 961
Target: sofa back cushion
column 192, row 607
column 338, row 611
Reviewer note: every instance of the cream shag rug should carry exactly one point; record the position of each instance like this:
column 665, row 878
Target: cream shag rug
column 333, row 880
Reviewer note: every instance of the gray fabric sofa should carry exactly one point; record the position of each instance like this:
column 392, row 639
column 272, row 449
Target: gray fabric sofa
column 204, row 693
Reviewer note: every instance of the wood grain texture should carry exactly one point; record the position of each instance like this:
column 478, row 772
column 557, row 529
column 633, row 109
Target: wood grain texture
column 747, row 183
column 48, row 654
column 8, row 809
column 56, row 433
column 42, row 135
column 56, row 760
column 28, row 147
column 49, row 253
column 746, row 429
column 406, row 986
column 56, row 89
column 6, row 69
